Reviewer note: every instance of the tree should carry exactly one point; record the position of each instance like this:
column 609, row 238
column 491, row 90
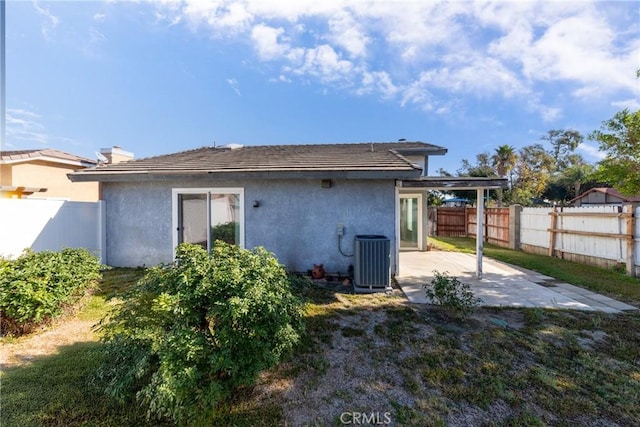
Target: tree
column 443, row 172
column 563, row 143
column 534, row 168
column 504, row 160
column 571, row 181
column 481, row 169
column 619, row 137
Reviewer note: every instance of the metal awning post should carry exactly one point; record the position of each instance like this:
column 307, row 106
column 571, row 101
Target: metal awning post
column 479, row 228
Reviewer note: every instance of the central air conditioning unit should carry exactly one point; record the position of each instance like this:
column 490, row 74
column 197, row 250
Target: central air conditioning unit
column 372, row 270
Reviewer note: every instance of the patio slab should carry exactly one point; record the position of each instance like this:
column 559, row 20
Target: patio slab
column 502, row 285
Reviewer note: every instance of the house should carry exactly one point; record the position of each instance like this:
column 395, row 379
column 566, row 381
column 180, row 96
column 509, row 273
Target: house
column 304, row 203
column 602, row 196
column 43, row 173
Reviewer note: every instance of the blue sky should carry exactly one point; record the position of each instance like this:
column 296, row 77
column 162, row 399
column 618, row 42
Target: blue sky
column 165, row 76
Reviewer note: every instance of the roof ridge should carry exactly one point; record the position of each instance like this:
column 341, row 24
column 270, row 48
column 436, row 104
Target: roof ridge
column 351, row 156
column 36, row 153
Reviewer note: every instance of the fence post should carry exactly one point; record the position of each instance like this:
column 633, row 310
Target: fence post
column 466, row 221
column 514, row 226
column 486, row 224
column 629, row 210
column 552, row 230
column 102, row 230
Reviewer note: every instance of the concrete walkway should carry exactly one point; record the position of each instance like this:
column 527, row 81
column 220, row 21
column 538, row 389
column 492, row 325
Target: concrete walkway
column 502, row 285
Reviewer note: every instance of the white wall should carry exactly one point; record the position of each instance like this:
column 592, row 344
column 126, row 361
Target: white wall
column 50, row 225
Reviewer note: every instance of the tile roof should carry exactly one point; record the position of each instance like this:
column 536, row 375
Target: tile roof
column 26, row 155
column 368, row 157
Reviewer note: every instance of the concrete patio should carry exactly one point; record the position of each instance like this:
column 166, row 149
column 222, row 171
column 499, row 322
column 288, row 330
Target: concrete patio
column 502, row 285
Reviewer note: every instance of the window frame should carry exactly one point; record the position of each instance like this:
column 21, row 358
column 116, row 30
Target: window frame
column 175, row 192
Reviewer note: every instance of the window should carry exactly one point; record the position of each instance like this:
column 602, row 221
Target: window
column 203, row 215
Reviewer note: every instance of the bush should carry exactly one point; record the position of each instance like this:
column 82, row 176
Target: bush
column 227, row 232
column 188, row 334
column 451, row 293
column 39, row 286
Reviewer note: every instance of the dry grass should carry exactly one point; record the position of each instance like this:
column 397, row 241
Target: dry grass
column 20, row 351
column 381, row 356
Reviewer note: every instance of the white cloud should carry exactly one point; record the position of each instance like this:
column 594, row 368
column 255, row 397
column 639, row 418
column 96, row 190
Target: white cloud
column 50, row 20
column 632, row 104
column 378, row 81
column 24, row 129
column 233, row 83
column 591, row 151
column 23, row 125
column 324, row 63
column 426, row 53
column 222, row 18
column 347, row 33
column 266, row 42
column 99, row 17
column 569, row 42
column 477, row 75
column 549, row 114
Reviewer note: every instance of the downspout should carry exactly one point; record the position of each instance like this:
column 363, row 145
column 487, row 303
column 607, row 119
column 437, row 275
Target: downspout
column 397, row 227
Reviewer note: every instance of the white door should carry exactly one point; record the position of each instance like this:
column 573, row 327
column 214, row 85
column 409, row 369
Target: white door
column 410, row 221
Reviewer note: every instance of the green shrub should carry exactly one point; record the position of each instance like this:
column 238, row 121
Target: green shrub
column 451, row 293
column 227, row 232
column 188, row 334
column 39, row 286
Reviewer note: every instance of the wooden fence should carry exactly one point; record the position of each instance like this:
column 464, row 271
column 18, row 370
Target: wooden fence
column 462, row 222
column 599, row 235
column 602, row 235
column 450, row 222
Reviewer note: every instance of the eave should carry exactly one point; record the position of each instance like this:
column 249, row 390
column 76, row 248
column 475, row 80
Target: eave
column 164, row 175
column 454, row 183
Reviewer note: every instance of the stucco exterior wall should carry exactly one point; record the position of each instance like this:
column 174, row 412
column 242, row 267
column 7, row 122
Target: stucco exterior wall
column 296, row 219
column 51, row 176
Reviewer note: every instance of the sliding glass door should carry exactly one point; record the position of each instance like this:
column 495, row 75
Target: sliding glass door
column 202, row 216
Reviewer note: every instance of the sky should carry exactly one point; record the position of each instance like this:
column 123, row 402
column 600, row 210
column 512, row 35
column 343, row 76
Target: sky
column 157, row 77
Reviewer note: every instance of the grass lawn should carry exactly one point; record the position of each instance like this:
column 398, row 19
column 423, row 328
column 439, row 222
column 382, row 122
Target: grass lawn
column 601, row 280
column 378, row 354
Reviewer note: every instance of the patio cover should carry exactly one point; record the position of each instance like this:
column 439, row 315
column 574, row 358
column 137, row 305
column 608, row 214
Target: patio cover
column 462, row 183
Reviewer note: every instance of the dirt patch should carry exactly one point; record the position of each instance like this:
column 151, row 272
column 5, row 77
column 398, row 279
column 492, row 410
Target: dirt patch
column 386, row 359
column 24, row 350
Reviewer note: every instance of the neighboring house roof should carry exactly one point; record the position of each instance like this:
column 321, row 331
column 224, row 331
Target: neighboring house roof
column 357, row 160
column 608, row 192
column 47, row 154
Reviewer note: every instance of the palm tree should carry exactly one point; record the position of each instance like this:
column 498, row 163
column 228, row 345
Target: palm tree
column 504, row 160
